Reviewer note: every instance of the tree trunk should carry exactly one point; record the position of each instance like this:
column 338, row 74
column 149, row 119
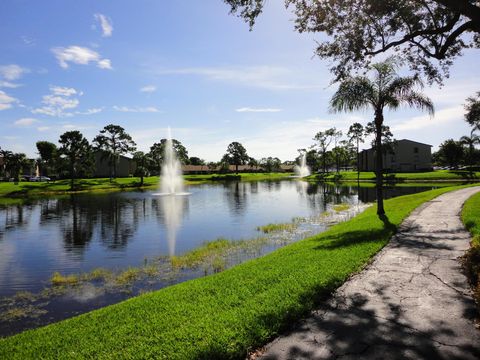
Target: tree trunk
column 324, row 160
column 72, row 175
column 379, row 162
column 236, row 168
column 358, row 162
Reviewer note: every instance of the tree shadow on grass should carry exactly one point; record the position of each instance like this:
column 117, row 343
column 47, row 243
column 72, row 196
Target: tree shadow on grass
column 465, row 174
column 274, row 323
column 350, row 238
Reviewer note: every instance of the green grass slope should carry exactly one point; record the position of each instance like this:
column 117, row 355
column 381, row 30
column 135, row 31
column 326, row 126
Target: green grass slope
column 471, row 260
column 223, row 316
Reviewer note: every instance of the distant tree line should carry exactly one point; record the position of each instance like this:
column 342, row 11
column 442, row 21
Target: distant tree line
column 74, row 158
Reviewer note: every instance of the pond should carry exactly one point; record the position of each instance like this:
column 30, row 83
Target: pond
column 80, row 234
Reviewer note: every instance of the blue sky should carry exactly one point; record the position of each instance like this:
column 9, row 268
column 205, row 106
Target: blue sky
column 187, row 64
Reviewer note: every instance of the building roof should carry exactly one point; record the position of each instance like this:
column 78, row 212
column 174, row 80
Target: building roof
column 412, row 141
column 402, row 141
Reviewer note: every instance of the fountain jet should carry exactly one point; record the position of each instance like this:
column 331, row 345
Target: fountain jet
column 302, row 170
column 171, row 181
column 172, row 192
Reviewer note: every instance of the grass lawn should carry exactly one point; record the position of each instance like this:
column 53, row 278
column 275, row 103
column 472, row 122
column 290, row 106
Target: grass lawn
column 25, row 188
column 471, row 261
column 225, row 315
column 454, row 175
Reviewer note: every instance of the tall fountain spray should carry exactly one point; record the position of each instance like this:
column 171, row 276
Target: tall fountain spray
column 173, row 199
column 302, row 170
column 171, row 181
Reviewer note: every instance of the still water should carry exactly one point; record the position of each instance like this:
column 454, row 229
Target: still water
column 78, row 233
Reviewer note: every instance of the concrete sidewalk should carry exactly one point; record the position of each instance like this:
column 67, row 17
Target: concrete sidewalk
column 412, row 302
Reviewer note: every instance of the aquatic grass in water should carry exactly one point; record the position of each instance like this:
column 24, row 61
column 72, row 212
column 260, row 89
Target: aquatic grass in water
column 341, row 207
column 267, row 229
column 58, row 279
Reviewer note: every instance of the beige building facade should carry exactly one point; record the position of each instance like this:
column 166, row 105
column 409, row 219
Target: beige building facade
column 406, row 156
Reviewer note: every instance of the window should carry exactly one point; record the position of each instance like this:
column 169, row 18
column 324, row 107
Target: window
column 415, row 150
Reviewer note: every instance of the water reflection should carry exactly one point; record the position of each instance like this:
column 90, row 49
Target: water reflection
column 173, row 207
column 77, row 225
column 81, row 232
column 237, row 196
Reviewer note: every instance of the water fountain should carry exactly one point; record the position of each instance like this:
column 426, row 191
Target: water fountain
column 172, row 193
column 302, row 170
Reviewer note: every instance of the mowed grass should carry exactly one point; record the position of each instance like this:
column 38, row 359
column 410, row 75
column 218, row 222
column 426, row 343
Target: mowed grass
column 226, row 315
column 25, row 188
column 457, row 175
column 471, row 260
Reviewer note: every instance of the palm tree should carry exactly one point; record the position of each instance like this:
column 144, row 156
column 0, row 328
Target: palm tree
column 384, row 90
column 470, row 141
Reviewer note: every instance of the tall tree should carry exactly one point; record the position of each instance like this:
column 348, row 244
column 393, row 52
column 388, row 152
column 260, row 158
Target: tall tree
column 77, row 153
column 470, row 141
column 472, row 115
column 356, row 135
column 47, row 152
column 193, row 160
column 270, row 164
column 236, row 155
column 384, row 90
column 429, row 35
column 157, row 151
column 142, row 162
column 450, row 153
column 337, row 134
column 114, row 141
column 14, row 163
column 3, row 156
column 324, row 139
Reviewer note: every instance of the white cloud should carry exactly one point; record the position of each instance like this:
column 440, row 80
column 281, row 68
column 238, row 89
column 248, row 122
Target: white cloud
column 58, row 102
column 6, row 101
column 105, row 64
column 105, row 24
column 27, row 40
column 25, row 122
column 441, row 117
column 258, row 110
column 149, row 89
column 79, row 55
column 90, row 111
column 266, row 77
column 7, row 84
column 43, row 128
column 148, row 109
column 12, row 72
column 63, row 91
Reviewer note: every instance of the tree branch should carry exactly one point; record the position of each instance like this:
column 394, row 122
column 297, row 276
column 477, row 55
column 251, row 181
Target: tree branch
column 437, row 31
column 464, row 7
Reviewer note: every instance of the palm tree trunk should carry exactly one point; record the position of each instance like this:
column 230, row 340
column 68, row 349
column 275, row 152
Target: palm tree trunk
column 379, row 162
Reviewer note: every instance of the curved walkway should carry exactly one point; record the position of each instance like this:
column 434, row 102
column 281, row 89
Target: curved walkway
column 412, row 302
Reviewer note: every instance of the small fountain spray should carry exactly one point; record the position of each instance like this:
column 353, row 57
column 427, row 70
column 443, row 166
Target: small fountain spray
column 302, row 170
column 172, row 192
